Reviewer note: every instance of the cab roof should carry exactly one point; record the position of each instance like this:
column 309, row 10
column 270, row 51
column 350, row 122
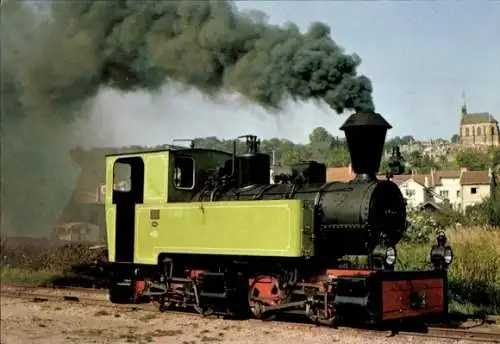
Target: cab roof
column 167, row 148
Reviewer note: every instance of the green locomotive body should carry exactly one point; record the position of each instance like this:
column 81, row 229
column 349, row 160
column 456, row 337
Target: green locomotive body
column 164, row 223
column 268, row 228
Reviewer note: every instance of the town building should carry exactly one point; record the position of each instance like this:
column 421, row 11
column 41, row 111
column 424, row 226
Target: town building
column 458, row 189
column 478, row 129
column 475, row 186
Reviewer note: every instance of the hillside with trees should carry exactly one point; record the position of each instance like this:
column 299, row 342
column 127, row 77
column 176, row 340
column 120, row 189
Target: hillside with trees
column 332, row 151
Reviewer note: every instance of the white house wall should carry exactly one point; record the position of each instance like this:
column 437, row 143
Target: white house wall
column 469, row 197
column 413, row 192
column 450, row 189
column 460, row 196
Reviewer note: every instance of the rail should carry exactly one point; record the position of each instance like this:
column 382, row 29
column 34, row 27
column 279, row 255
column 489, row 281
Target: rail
column 89, row 296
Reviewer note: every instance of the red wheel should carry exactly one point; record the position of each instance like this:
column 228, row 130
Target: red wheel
column 264, row 291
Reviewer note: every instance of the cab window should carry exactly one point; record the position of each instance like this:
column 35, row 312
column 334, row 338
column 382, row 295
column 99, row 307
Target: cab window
column 122, row 174
column 184, row 173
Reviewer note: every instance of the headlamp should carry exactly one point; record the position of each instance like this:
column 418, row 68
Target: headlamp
column 441, row 254
column 448, row 255
column 384, row 256
column 390, row 256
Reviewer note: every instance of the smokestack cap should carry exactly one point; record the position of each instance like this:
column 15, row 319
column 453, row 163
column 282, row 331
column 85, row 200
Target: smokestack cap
column 365, row 134
column 365, row 119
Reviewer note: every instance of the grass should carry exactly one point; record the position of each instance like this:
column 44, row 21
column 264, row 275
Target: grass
column 27, row 276
column 474, row 275
column 72, row 265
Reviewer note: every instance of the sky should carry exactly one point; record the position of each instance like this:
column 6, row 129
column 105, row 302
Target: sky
column 421, row 56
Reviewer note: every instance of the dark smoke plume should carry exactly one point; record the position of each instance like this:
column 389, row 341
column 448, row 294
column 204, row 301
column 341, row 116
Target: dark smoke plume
column 54, row 62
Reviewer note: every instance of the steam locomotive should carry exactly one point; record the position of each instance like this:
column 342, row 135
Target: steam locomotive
column 206, row 229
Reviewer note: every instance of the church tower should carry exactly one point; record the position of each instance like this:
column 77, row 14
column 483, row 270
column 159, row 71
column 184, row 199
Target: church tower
column 478, row 129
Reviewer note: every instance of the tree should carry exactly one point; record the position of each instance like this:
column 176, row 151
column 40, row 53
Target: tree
column 338, row 157
column 398, row 141
column 320, row 136
column 455, row 139
column 331, row 150
column 473, row 160
column 495, row 157
column 421, row 163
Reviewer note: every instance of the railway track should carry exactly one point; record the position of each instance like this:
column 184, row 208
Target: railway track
column 99, row 297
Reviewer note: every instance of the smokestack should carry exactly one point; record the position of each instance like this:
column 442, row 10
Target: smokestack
column 426, row 182
column 365, row 134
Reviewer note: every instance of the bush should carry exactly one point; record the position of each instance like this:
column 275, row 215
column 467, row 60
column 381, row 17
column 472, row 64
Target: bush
column 485, row 213
column 69, row 265
column 425, row 225
column 421, row 227
column 27, row 276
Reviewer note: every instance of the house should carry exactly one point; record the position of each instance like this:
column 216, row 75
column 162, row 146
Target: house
column 456, row 189
column 414, row 188
column 459, row 189
column 475, row 187
column 446, row 187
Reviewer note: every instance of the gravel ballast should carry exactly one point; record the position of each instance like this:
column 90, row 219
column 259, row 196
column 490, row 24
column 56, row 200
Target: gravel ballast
column 24, row 321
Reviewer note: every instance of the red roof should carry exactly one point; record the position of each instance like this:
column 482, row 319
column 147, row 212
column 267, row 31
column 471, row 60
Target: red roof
column 339, row 174
column 475, row 178
column 344, row 174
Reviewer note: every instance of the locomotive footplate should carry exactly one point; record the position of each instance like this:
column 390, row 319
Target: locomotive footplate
column 385, row 296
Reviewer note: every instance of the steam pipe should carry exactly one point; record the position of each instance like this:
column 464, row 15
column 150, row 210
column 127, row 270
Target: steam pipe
column 233, row 164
